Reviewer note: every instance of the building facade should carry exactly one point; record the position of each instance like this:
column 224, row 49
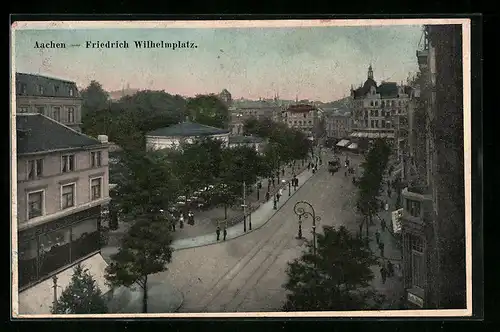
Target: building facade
column 226, row 97
column 375, row 107
column 338, row 126
column 62, row 188
column 305, row 118
column 55, row 98
column 258, row 110
column 174, row 137
column 256, row 143
column 433, row 219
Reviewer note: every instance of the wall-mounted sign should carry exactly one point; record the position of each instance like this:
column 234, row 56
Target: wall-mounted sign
column 418, row 301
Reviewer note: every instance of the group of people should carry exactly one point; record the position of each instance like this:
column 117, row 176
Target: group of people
column 190, row 220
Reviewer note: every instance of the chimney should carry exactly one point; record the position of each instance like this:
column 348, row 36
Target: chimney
column 103, row 139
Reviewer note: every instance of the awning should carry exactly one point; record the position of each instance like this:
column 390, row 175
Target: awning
column 38, row 299
column 396, row 220
column 372, row 135
column 353, row 146
column 342, row 143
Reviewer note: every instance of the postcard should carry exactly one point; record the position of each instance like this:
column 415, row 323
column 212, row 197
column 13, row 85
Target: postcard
column 243, row 168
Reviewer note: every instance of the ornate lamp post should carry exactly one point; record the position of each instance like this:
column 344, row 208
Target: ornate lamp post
column 301, row 209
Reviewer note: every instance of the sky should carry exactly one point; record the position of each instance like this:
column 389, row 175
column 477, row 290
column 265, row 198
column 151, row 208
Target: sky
column 314, row 63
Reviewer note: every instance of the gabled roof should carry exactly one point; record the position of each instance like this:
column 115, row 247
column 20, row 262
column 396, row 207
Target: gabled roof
column 186, row 129
column 38, row 133
column 52, row 87
column 244, row 139
column 388, row 90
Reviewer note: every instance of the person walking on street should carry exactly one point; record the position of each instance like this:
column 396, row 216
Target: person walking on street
column 381, row 247
column 283, row 172
column 274, row 184
column 383, row 273
column 173, row 225
column 217, row 232
column 382, row 224
column 268, row 195
column 309, row 166
column 377, row 236
column 278, row 195
column 225, row 233
column 390, row 268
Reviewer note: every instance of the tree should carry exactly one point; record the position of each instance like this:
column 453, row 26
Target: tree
column 94, row 98
column 82, row 296
column 208, row 110
column 144, row 250
column 370, row 183
column 337, row 277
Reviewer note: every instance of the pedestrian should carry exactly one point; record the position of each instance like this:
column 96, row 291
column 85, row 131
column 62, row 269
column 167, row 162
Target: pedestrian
column 225, row 233
column 345, row 173
column 268, row 184
column 181, row 221
column 377, row 236
column 267, row 195
column 383, row 273
column 389, row 193
column 191, row 218
column 386, row 207
column 382, row 224
column 278, row 194
column 173, row 225
column 309, row 166
column 390, row 269
column 382, row 204
column 274, row 184
column 381, row 247
column 283, row 172
column 217, row 231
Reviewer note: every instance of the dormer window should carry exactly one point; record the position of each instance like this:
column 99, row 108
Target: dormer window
column 23, row 88
column 41, row 89
column 71, row 92
column 56, row 89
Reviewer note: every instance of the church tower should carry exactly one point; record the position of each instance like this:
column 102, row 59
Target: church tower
column 370, row 72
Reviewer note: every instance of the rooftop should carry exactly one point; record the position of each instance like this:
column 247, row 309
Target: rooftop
column 388, row 90
column 185, row 129
column 38, row 133
column 301, row 108
column 38, row 85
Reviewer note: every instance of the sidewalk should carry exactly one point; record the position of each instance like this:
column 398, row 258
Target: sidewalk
column 258, row 218
column 205, row 222
column 393, row 287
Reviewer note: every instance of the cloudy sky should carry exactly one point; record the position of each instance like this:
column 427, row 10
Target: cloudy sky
column 315, row 63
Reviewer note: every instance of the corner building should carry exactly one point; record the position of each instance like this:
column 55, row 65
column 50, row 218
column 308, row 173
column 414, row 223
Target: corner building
column 433, row 219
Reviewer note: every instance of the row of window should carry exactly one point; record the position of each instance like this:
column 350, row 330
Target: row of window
column 23, row 89
column 379, row 124
column 46, row 253
column 300, row 122
column 36, row 199
column 35, row 166
column 413, row 208
column 55, row 113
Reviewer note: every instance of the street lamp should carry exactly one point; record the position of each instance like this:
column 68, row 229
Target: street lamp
column 289, row 188
column 301, row 209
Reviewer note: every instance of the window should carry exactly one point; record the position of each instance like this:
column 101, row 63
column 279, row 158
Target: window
column 376, row 112
column 56, row 89
column 376, row 103
column 310, row 122
column 35, row 204
column 41, row 89
column 371, row 124
column 393, row 103
column 22, row 88
column 35, row 169
column 68, row 163
column 413, row 208
column 417, row 261
column 305, row 115
column 68, row 196
column 371, row 103
column 95, row 188
column 71, row 92
column 27, row 262
column 57, row 114
column 71, row 115
column 383, row 104
column 24, row 109
column 84, row 238
column 40, row 110
column 54, row 251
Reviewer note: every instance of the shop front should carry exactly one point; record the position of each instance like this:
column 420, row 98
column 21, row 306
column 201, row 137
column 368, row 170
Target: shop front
column 49, row 248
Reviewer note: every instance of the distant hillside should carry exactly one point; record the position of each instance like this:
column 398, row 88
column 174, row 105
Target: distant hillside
column 340, row 104
column 115, row 95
